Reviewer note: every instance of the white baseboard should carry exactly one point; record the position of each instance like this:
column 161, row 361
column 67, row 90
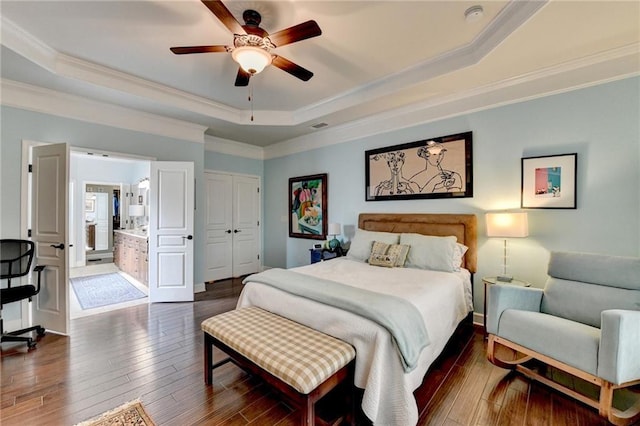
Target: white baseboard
column 478, row 319
column 199, row 288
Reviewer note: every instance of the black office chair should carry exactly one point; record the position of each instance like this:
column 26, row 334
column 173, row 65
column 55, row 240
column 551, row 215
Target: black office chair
column 16, row 257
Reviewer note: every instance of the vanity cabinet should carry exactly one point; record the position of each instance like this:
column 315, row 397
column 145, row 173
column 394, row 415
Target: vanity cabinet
column 130, row 254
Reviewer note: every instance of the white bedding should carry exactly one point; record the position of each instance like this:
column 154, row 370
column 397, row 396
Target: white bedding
column 442, row 298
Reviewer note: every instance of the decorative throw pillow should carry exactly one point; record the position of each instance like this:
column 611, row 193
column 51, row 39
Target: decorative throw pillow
column 386, row 260
column 385, row 253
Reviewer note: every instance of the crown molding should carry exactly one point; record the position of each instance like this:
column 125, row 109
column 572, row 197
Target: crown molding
column 509, row 19
column 38, row 99
column 612, row 65
column 227, row 146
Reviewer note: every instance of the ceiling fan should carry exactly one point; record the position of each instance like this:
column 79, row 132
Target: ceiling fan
column 252, row 45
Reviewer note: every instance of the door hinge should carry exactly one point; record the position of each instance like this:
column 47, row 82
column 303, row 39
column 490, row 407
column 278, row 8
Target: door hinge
column 29, row 233
column 30, row 168
column 258, row 257
column 258, row 189
column 258, row 223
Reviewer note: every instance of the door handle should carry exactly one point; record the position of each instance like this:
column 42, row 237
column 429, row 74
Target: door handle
column 235, row 231
column 57, row 246
column 228, row 231
column 188, row 237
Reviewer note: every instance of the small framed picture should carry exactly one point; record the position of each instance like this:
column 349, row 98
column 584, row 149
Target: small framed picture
column 549, row 182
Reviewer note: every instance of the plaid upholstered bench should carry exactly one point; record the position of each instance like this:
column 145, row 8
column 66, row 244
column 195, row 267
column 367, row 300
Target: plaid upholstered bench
column 302, row 363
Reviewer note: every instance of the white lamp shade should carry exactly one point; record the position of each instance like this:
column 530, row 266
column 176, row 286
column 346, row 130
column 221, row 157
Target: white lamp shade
column 252, row 59
column 507, row 225
column 136, row 210
column 334, row 229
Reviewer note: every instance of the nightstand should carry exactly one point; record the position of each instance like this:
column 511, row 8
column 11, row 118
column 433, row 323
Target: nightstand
column 319, row 255
column 492, row 281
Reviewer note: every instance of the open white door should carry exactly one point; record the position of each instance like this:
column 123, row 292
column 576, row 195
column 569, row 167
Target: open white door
column 171, row 204
column 50, row 201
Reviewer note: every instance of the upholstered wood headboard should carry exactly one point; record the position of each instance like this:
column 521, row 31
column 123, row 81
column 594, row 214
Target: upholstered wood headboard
column 462, row 226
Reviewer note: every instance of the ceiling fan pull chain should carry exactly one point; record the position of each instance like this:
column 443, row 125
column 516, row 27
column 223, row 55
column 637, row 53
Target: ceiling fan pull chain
column 251, row 98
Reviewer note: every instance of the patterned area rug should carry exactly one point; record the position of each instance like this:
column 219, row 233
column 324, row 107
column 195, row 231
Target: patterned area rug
column 130, row 414
column 106, row 289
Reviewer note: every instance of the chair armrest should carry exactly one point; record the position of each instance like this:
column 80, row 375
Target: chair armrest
column 619, row 351
column 501, row 297
column 39, row 269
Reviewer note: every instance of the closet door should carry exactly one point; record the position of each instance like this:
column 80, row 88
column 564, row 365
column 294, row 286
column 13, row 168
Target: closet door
column 233, row 238
column 246, row 209
column 218, row 225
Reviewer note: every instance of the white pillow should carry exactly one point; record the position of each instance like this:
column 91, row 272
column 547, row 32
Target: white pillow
column 458, row 253
column 429, row 252
column 360, row 248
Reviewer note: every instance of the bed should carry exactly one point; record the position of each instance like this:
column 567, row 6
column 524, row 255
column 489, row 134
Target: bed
column 442, row 299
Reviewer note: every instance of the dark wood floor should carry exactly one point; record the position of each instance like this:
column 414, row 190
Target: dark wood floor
column 155, row 353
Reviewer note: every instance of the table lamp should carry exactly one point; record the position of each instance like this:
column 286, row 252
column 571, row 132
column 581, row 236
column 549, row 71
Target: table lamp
column 335, row 230
column 507, row 225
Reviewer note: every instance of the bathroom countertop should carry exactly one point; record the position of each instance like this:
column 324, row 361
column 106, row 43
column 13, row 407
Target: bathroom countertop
column 133, row 232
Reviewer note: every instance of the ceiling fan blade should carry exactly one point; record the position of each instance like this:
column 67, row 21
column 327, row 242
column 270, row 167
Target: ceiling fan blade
column 293, row 69
column 242, row 79
column 298, row 32
column 197, row 49
column 222, row 13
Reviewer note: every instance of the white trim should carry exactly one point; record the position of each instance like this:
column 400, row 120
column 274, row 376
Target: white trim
column 227, row 146
column 511, row 17
column 478, row 319
column 78, row 151
column 199, row 288
column 594, row 70
column 39, row 99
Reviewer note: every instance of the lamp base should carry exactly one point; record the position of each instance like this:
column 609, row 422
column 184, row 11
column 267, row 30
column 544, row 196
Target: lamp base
column 334, row 244
column 504, row 278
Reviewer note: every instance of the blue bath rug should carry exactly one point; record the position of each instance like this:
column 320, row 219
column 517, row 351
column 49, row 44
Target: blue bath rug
column 106, row 289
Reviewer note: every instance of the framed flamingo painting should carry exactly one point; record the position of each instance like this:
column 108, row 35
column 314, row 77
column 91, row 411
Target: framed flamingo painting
column 432, row 168
column 308, row 207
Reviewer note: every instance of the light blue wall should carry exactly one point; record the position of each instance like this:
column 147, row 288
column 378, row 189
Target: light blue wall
column 600, row 123
column 230, row 163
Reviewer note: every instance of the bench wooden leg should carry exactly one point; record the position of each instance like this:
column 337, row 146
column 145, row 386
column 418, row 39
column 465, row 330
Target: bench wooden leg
column 308, row 413
column 208, row 359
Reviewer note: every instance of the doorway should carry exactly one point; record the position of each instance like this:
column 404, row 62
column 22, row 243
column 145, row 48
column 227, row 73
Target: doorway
column 100, row 280
column 170, row 216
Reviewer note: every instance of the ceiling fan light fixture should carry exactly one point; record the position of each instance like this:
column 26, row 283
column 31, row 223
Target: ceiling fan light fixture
column 252, row 59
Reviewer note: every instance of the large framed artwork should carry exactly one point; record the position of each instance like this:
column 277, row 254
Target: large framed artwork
column 549, row 182
column 440, row 167
column 308, row 207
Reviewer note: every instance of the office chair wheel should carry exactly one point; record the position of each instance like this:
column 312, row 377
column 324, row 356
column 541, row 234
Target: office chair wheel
column 40, row 331
column 31, row 344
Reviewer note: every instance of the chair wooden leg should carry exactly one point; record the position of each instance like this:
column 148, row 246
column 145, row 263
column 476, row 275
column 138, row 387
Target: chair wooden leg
column 492, row 345
column 630, row 416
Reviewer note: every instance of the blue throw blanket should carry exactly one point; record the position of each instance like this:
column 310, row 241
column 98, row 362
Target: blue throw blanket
column 398, row 316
